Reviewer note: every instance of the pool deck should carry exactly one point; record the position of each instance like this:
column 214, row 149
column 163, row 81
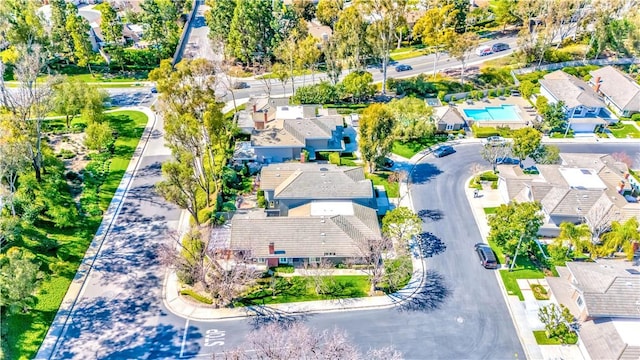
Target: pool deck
column 528, row 117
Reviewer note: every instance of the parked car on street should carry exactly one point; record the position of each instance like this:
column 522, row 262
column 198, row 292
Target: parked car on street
column 495, row 141
column 443, row 150
column 154, row 90
column 240, row 85
column 486, row 256
column 484, row 50
column 497, row 47
column 387, row 163
column 403, row 67
column 507, row 161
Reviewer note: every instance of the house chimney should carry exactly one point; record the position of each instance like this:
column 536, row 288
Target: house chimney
column 266, row 115
column 254, row 108
column 272, row 248
column 596, row 86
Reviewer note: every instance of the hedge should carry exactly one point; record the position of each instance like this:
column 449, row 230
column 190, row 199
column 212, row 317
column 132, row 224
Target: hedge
column 196, row 296
column 285, row 269
column 484, row 131
column 488, row 176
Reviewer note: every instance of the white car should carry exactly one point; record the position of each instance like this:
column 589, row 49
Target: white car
column 495, row 141
column 484, row 50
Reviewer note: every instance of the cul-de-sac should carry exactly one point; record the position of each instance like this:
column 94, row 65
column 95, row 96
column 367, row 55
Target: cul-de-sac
column 320, row 179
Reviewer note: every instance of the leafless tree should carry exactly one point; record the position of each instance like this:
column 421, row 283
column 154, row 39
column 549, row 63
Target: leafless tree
column 223, row 75
column 231, row 279
column 187, row 256
column 600, row 216
column 320, row 273
column 263, row 68
column 492, row 153
column 372, row 253
column 297, row 341
column 475, row 169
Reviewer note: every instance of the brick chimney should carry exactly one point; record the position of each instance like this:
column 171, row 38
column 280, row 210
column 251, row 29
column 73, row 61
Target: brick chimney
column 254, row 108
column 272, row 248
column 596, row 86
column 266, row 116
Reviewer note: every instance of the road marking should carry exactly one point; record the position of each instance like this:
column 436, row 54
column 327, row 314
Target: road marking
column 184, row 337
column 214, row 337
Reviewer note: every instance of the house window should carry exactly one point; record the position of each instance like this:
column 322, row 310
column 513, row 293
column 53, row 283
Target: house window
column 261, row 260
column 579, row 302
column 283, row 260
column 314, row 259
column 449, row 127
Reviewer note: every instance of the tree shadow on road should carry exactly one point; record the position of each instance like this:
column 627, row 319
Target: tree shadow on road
column 266, row 315
column 430, row 296
column 430, row 215
column 430, row 245
column 424, row 172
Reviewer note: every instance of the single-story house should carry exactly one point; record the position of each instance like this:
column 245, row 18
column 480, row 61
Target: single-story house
column 585, row 188
column 290, row 185
column 584, row 108
column 319, row 31
column 448, row 119
column 331, row 230
column 620, row 92
column 605, row 298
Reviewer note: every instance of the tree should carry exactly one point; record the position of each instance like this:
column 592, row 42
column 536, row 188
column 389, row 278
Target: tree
column 328, row 11
column 350, row 33
column 320, row 275
column 218, row 18
column 376, row 127
column 94, row 98
column 542, row 104
column 358, row 85
column 578, row 237
column 558, row 323
column 513, row 223
column 232, row 279
column 526, row 89
column 304, row 9
column 599, row 219
column 251, row 36
column 435, row 28
column 61, row 39
column 554, row 118
column 413, row 119
column 546, row 154
column 493, row 152
column 14, row 158
column 98, row 136
column 504, row 12
column 332, row 62
column 621, row 237
column 79, row 29
column 160, row 26
column 460, row 46
column 181, row 185
column 373, row 252
column 288, row 53
column 69, row 98
column 18, row 279
column 21, row 23
column 401, row 225
column 525, row 141
column 308, row 55
column 110, row 25
column 297, row 341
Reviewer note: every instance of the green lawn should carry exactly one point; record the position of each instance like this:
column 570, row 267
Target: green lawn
column 408, row 149
column 625, row 131
column 298, row 288
column 510, row 283
column 490, row 210
column 542, row 339
column 348, row 159
column 25, row 332
column 380, row 178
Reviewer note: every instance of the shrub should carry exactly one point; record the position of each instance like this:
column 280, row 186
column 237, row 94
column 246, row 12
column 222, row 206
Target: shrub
column 196, row 296
column 484, row 131
column 441, row 95
column 492, row 93
column 322, row 93
column 262, row 202
column 488, row 176
column 494, row 185
column 453, row 98
column 285, row 269
column 66, row 154
column 334, row 158
column 635, row 117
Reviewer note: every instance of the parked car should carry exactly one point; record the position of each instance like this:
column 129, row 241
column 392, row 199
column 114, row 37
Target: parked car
column 154, row 90
column 443, row 150
column 507, row 161
column 484, row 50
column 497, row 47
column 486, row 256
column 403, row 67
column 240, row 85
column 387, row 163
column 495, row 141
column 531, row 170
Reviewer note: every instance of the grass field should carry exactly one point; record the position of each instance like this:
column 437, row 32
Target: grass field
column 625, row 131
column 410, row 148
column 542, row 339
column 25, row 332
column 380, row 178
column 298, row 288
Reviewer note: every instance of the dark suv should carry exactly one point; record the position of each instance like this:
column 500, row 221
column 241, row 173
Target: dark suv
column 486, row 255
column 443, row 150
column 499, row 47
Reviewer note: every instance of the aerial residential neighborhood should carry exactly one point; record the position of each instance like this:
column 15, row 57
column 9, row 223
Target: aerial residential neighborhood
column 326, row 179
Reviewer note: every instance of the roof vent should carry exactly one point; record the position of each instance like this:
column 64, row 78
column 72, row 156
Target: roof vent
column 629, row 283
column 323, row 234
column 323, row 174
column 277, row 175
column 322, row 219
column 324, row 169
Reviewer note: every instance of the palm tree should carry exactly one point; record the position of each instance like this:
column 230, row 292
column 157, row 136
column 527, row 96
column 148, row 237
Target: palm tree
column 578, row 236
column 621, row 236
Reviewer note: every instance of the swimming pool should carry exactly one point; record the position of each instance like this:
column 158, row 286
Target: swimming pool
column 494, row 113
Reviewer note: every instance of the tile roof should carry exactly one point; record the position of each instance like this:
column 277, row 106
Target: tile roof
column 617, row 86
column 450, row 116
column 306, row 236
column 610, row 288
column 274, row 135
column 315, row 181
column 571, row 90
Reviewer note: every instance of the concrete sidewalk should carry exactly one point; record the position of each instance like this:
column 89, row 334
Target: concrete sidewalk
column 523, row 313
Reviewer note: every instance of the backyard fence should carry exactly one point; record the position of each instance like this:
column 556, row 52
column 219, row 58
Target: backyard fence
column 478, row 94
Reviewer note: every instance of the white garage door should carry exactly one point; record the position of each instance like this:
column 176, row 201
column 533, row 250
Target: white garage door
column 583, row 128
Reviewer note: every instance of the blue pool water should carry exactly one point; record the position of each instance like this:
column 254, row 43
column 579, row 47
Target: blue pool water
column 496, row 113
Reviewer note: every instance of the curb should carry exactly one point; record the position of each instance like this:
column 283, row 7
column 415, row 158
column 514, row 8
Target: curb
column 77, row 286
